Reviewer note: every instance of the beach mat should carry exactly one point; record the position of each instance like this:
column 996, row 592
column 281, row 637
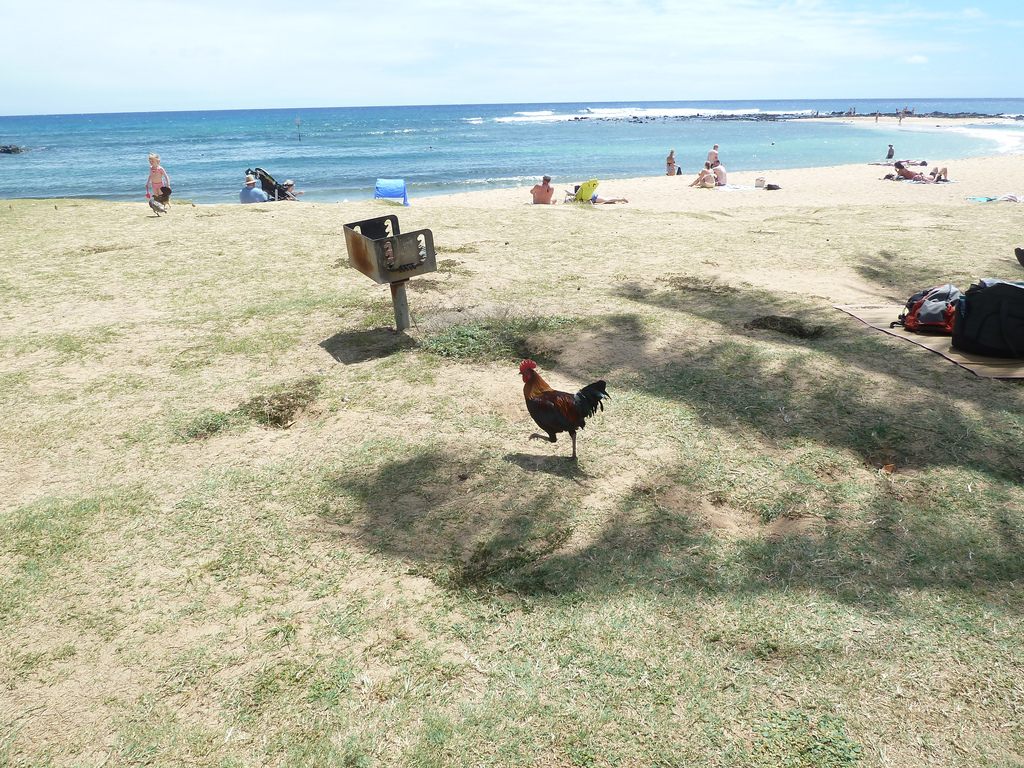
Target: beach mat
column 879, row 317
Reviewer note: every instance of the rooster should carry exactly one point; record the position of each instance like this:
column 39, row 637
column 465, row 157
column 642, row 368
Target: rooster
column 556, row 411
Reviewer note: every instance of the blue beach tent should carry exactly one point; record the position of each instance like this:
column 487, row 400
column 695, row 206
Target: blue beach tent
column 391, row 188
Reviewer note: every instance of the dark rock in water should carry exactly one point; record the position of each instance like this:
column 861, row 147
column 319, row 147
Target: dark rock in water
column 790, row 326
column 11, row 149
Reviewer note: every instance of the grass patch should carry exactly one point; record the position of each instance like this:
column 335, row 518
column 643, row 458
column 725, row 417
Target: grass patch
column 42, row 540
column 726, row 577
column 67, row 346
column 207, row 424
column 795, row 739
column 279, row 409
column 698, row 284
column 498, row 337
column 464, row 248
column 790, row 326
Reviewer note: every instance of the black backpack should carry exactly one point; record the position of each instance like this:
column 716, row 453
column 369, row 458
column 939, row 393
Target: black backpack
column 990, row 319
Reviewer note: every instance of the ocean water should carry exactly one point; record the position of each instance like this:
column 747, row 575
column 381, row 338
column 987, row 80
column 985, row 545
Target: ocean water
column 337, row 153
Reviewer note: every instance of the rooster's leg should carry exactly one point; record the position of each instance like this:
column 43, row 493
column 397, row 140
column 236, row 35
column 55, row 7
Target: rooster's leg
column 572, row 434
column 550, row 437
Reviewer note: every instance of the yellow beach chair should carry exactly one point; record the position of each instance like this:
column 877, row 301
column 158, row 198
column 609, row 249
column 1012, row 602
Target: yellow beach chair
column 583, row 193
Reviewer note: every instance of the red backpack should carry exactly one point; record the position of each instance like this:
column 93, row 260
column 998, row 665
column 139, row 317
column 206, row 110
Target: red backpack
column 932, row 310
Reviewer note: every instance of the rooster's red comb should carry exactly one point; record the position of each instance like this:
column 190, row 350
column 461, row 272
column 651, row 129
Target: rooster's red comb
column 527, row 365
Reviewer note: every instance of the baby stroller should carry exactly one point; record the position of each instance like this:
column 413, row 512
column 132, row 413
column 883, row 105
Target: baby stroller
column 274, row 190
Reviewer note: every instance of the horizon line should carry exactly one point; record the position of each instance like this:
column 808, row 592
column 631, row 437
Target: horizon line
column 516, row 103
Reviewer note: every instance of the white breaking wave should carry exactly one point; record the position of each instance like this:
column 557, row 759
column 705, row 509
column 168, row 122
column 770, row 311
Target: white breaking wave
column 531, row 179
column 1008, row 141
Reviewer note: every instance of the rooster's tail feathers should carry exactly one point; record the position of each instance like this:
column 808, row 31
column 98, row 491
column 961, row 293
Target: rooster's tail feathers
column 588, row 400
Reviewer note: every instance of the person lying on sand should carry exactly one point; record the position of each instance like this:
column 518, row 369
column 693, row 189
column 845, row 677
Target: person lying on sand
column 607, row 200
column 902, row 172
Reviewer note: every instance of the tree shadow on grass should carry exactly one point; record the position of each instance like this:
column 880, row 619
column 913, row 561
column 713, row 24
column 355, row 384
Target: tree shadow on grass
column 454, row 525
column 532, row 532
column 351, row 347
column 849, row 389
column 442, row 513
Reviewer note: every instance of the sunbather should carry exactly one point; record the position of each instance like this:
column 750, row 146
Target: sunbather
column 542, row 193
column 705, row 179
column 720, row 176
column 936, row 174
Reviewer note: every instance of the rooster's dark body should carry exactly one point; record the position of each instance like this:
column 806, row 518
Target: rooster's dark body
column 556, row 411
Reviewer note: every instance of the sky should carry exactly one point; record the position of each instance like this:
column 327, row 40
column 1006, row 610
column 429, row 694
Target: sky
column 119, row 56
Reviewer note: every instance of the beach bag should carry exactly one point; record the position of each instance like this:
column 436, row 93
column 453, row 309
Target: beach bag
column 990, row 319
column 932, row 310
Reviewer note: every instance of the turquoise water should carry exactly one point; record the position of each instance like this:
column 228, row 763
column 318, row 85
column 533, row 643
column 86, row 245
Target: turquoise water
column 335, row 154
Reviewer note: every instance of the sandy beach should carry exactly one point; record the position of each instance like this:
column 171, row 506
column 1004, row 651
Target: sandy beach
column 752, row 519
column 853, row 185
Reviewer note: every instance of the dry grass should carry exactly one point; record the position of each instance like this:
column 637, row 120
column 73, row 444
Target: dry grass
column 727, row 577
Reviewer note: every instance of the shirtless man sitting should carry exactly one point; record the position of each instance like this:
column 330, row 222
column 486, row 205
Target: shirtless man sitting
column 721, row 179
column 542, row 193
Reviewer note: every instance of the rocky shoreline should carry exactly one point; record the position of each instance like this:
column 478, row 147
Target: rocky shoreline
column 775, row 117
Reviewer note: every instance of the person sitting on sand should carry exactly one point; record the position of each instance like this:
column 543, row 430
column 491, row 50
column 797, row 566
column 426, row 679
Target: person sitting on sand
column 290, row 193
column 249, row 193
column 719, row 170
column 705, row 179
column 542, row 193
column 670, row 163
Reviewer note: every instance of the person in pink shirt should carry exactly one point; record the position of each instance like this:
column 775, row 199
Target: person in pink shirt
column 158, row 181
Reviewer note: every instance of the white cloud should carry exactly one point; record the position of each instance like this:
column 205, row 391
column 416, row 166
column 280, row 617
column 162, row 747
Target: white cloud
column 917, row 59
